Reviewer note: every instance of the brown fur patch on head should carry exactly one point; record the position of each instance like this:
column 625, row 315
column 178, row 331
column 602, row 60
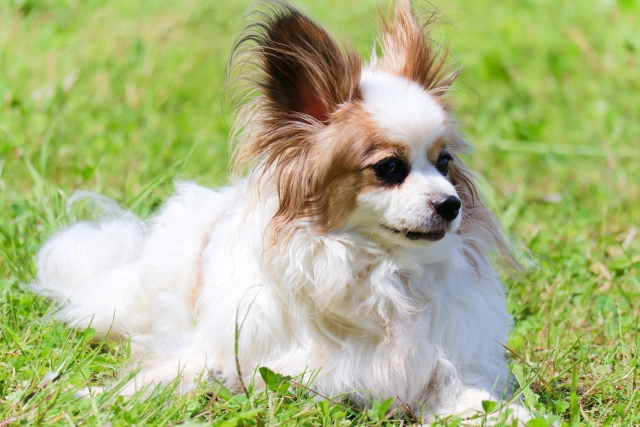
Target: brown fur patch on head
column 408, row 51
column 442, row 145
column 338, row 166
column 342, row 160
column 302, row 77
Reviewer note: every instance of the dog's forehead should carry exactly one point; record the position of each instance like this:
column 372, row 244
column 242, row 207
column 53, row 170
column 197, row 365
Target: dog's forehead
column 403, row 110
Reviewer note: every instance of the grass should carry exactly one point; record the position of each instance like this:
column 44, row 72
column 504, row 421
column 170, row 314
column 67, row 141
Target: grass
column 123, row 97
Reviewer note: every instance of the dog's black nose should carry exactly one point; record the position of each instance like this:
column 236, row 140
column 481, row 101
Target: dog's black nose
column 447, row 207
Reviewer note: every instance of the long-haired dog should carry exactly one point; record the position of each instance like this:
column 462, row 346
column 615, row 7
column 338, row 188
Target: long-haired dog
column 354, row 245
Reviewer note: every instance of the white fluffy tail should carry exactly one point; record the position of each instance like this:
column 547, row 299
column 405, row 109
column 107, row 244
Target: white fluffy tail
column 90, row 269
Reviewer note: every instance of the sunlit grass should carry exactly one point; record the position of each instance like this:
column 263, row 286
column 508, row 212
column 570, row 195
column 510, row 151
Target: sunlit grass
column 123, row 97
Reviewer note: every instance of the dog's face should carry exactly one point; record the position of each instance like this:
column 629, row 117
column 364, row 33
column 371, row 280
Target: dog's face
column 407, row 197
column 371, row 150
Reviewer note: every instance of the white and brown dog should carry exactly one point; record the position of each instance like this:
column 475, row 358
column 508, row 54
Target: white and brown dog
column 355, row 244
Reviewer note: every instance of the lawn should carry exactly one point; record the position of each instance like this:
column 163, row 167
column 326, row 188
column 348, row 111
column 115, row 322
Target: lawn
column 124, row 97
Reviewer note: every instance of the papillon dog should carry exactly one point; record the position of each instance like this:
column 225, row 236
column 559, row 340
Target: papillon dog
column 351, row 243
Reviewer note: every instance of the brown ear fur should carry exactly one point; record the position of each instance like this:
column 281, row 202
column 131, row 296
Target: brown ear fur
column 408, row 51
column 301, row 71
column 303, row 77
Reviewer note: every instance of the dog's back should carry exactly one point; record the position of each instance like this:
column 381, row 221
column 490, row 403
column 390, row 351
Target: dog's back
column 118, row 274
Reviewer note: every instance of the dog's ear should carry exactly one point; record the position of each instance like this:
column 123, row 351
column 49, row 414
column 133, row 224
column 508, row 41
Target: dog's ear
column 302, row 71
column 302, row 77
column 409, row 52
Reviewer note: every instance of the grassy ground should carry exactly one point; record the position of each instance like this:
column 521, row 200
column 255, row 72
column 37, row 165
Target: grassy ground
column 122, row 97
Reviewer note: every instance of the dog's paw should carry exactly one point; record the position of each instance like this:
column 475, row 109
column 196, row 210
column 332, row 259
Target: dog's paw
column 480, row 408
column 509, row 415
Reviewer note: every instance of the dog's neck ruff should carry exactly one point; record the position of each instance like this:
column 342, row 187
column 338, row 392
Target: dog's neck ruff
column 351, row 285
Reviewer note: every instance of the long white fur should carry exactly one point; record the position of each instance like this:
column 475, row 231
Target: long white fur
column 373, row 317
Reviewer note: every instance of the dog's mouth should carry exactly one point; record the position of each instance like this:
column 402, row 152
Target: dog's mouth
column 431, row 235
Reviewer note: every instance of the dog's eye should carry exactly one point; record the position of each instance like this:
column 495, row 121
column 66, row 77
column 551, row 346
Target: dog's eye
column 443, row 164
column 391, row 171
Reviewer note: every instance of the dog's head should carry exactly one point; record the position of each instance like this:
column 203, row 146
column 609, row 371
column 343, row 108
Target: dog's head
column 370, row 148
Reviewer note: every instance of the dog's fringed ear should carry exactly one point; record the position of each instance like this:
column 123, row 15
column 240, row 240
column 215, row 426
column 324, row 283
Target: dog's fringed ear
column 302, row 77
column 302, row 71
column 409, row 52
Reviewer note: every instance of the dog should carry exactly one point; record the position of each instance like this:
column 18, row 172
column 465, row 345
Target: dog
column 352, row 242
